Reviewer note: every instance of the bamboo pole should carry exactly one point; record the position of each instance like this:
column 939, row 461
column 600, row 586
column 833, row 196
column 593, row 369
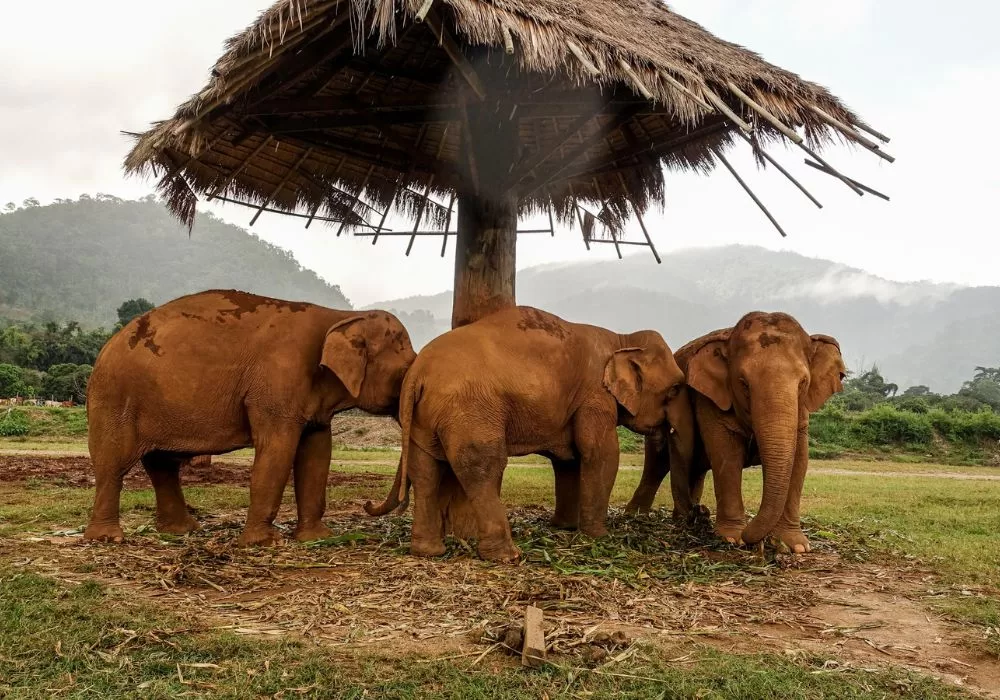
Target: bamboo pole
column 784, row 172
column 642, row 224
column 867, row 189
column 447, row 225
column 750, row 192
column 768, row 117
column 852, row 134
column 364, row 184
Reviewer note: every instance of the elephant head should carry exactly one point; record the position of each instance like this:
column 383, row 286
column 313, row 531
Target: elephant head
column 649, row 387
column 370, row 355
column 772, row 375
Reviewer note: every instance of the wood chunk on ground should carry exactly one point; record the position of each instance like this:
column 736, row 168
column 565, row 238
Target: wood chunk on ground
column 533, row 652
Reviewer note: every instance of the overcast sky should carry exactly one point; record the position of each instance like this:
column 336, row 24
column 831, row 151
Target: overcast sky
column 75, row 73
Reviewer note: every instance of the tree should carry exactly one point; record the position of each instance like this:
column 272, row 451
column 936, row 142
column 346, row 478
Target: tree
column 990, row 373
column 10, row 381
column 10, row 206
column 67, row 382
column 31, row 203
column 131, row 309
column 919, row 390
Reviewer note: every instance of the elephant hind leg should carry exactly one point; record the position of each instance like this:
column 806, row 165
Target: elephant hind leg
column 567, row 515
column 112, row 460
column 479, row 467
column 426, row 474
column 172, row 514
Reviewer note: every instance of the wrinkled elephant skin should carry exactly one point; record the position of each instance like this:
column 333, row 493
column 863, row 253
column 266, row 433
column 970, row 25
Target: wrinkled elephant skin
column 222, row 370
column 752, row 388
column 522, row 381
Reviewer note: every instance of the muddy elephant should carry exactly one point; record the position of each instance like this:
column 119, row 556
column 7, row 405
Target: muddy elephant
column 752, row 388
column 518, row 382
column 221, row 370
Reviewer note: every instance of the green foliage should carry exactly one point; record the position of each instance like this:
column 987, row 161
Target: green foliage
column 13, row 423
column 67, row 382
column 11, row 381
column 40, row 346
column 130, row 309
column 629, row 442
column 80, row 259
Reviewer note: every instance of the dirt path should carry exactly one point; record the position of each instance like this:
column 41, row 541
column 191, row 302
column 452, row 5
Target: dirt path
column 73, row 469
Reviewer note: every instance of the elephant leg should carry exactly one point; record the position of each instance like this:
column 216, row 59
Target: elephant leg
column 789, row 527
column 655, row 466
column 112, row 460
column 726, row 454
column 172, row 514
column 479, row 468
column 272, row 465
column 599, row 456
column 567, row 473
column 425, row 474
column 699, row 513
column 311, row 472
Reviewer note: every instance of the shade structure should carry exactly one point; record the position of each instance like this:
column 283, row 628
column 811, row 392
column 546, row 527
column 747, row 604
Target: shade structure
column 344, row 110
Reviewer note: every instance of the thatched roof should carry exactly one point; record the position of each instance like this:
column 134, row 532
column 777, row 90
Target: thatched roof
column 341, row 109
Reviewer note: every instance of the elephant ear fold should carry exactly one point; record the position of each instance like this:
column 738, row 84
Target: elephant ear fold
column 623, row 378
column 345, row 353
column 827, row 371
column 708, row 374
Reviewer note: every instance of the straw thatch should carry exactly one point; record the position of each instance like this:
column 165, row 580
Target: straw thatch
column 339, row 110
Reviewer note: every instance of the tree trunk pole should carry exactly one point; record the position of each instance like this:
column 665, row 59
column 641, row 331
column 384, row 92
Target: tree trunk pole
column 485, row 254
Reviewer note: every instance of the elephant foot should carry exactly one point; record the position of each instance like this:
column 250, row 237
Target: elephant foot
column 793, row 538
column 638, row 507
column 104, row 533
column 308, row 533
column 184, row 526
column 699, row 518
column 730, row 532
column 260, row 536
column 560, row 523
column 595, row 530
column 503, row 552
column 427, row 548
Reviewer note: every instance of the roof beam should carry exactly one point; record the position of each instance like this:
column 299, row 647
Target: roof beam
column 454, row 51
column 343, row 121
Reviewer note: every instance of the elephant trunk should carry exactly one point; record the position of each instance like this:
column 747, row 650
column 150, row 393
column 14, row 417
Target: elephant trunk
column 775, row 427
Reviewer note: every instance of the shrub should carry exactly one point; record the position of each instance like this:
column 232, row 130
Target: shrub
column 14, row 423
column 885, row 425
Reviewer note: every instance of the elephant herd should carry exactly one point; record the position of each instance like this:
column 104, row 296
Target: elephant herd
column 222, row 370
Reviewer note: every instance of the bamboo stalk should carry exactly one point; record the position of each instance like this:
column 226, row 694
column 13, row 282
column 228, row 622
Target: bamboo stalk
column 852, row 134
column 768, row 117
column 636, row 82
column 784, row 172
column 420, row 215
column 724, row 108
column 846, row 180
column 642, row 224
column 579, row 217
column 582, row 58
column 312, row 214
column 508, row 41
column 750, row 192
column 552, row 225
column 870, row 131
column 422, row 12
column 611, row 230
column 447, row 225
column 284, row 180
column 684, row 89
column 385, row 213
column 867, row 189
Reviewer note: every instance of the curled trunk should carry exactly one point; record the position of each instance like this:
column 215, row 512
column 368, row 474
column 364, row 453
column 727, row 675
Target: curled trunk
column 391, row 501
column 775, row 427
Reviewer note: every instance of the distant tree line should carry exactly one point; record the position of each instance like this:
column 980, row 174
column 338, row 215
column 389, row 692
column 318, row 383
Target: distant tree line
column 868, row 388
column 49, row 360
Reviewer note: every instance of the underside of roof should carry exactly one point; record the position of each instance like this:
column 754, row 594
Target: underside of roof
column 345, row 110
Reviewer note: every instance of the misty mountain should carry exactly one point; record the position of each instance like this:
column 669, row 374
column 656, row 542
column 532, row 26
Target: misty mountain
column 918, row 333
column 78, row 260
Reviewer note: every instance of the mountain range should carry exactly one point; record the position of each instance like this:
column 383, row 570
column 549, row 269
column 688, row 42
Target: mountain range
column 78, row 260
column 917, row 333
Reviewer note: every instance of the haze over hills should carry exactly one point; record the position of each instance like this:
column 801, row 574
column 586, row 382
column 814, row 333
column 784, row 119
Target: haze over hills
column 918, row 333
column 78, row 260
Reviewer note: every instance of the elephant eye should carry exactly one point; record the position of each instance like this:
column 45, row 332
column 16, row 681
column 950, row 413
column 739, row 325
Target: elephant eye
column 745, row 384
column 674, row 390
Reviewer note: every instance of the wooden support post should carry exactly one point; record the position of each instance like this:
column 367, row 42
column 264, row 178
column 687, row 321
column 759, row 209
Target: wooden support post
column 447, row 225
column 533, row 651
column 485, row 257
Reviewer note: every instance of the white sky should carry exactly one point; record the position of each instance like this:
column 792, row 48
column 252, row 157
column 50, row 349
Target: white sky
column 75, row 73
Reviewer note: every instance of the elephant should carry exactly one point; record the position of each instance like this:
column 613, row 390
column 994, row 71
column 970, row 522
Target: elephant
column 752, row 388
column 222, row 370
column 522, row 381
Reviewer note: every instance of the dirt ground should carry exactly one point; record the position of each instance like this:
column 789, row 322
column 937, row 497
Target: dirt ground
column 360, row 590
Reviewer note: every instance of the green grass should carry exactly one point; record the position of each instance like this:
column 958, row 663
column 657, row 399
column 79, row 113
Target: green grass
column 83, row 641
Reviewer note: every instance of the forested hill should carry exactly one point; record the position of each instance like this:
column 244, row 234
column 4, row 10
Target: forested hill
column 78, row 260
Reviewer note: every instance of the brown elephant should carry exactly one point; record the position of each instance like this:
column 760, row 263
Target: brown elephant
column 222, row 370
column 518, row 382
column 753, row 388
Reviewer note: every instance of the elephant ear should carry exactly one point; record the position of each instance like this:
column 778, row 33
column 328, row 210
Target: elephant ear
column 827, row 370
column 623, row 378
column 345, row 353
column 708, row 374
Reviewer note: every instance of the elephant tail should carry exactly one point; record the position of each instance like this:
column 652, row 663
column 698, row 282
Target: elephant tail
column 399, row 493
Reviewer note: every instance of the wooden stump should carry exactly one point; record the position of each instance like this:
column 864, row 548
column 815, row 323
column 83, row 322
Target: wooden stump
column 533, row 651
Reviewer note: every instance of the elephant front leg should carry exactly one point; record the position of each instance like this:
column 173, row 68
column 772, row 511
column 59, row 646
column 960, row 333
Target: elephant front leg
column 311, row 472
column 726, row 454
column 272, row 465
column 655, row 466
column 788, row 531
column 567, row 473
column 599, row 454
